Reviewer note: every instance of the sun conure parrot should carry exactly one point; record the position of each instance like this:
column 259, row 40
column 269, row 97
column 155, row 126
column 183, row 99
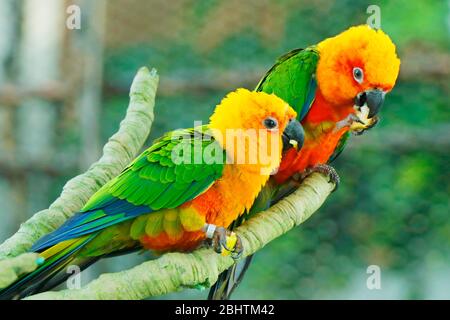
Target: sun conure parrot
column 188, row 186
column 336, row 86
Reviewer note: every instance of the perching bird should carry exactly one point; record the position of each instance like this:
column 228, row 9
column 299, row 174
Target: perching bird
column 188, row 186
column 336, row 86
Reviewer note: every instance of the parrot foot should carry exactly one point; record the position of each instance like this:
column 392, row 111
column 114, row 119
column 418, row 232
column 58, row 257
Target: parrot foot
column 224, row 241
column 347, row 122
column 326, row 170
column 370, row 126
column 355, row 124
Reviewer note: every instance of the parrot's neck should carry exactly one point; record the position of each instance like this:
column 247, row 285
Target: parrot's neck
column 239, row 188
column 324, row 111
column 230, row 196
column 240, row 183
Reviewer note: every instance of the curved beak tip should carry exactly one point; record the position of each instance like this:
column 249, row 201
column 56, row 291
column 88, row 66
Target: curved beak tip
column 293, row 135
column 373, row 98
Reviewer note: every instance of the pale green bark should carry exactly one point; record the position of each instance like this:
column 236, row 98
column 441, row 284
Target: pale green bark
column 176, row 271
column 173, row 271
column 12, row 268
column 121, row 148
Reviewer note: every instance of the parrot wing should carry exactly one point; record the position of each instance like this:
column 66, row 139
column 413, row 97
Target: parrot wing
column 292, row 78
column 153, row 181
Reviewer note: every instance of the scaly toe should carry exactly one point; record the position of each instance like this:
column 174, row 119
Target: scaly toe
column 238, row 249
column 333, row 176
column 219, row 239
column 370, row 126
column 224, row 241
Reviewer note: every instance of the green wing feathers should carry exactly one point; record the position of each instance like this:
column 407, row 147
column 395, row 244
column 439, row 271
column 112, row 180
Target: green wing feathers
column 142, row 199
column 292, row 78
column 152, row 182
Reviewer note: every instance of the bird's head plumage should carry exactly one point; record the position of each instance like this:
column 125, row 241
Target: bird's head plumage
column 359, row 64
column 245, row 121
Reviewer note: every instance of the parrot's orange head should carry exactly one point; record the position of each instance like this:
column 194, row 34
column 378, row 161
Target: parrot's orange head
column 359, row 65
column 245, row 122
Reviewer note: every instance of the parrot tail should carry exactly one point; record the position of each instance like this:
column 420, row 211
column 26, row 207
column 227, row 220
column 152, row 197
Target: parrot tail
column 229, row 280
column 52, row 270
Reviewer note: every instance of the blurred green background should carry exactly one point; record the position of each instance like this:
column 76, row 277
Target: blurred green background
column 63, row 92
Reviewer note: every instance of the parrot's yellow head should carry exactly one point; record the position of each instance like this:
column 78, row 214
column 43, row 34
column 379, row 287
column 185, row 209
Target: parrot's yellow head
column 248, row 123
column 359, row 65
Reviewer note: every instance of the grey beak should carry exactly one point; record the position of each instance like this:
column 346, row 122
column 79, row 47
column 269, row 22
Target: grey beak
column 294, row 131
column 374, row 99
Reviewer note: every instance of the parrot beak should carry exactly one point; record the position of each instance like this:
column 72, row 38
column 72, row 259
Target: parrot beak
column 367, row 106
column 373, row 98
column 293, row 135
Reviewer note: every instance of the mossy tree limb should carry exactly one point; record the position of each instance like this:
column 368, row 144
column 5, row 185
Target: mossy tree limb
column 11, row 269
column 176, row 271
column 121, row 148
column 173, row 271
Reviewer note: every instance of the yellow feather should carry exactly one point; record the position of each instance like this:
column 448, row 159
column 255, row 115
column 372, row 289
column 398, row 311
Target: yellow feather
column 57, row 248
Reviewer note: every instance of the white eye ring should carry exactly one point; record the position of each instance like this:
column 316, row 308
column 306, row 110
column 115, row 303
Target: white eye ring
column 358, row 75
column 270, row 123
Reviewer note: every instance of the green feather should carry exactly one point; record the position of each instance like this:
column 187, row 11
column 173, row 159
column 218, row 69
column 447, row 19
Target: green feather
column 154, row 225
column 138, row 227
column 290, row 78
column 151, row 181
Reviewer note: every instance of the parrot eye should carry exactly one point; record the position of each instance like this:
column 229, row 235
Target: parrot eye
column 358, row 74
column 270, row 123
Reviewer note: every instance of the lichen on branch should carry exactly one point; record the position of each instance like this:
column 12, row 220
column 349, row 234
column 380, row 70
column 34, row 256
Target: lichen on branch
column 11, row 269
column 121, row 148
column 176, row 271
column 172, row 271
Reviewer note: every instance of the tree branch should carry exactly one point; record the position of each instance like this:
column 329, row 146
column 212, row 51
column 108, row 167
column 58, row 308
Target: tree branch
column 121, row 148
column 176, row 271
column 12, row 268
column 173, row 271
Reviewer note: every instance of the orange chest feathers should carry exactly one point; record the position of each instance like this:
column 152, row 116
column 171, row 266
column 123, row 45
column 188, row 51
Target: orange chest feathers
column 316, row 150
column 230, row 196
column 321, row 138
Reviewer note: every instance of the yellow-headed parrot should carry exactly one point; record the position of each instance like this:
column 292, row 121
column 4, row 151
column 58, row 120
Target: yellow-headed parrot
column 188, row 186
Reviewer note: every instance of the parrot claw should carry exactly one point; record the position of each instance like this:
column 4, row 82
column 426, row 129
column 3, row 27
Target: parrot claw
column 226, row 242
column 326, row 170
column 370, row 126
column 347, row 122
column 238, row 249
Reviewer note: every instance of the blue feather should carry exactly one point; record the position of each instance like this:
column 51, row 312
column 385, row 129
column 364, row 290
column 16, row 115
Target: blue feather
column 82, row 223
column 309, row 98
